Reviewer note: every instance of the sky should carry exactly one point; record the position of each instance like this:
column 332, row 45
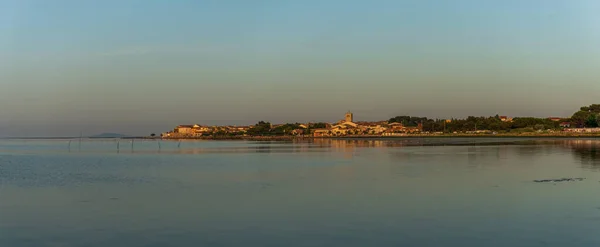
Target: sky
column 143, row 66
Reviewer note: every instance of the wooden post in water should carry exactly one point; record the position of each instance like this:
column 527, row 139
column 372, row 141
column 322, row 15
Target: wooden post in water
column 118, row 142
column 132, row 144
column 179, row 144
column 70, row 145
column 158, row 145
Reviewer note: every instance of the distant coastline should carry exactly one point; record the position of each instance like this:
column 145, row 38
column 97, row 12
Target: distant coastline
column 286, row 138
column 275, row 138
column 38, row 138
column 583, row 123
column 71, row 137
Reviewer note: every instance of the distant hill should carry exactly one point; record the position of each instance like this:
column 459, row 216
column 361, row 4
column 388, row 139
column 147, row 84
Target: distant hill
column 108, row 135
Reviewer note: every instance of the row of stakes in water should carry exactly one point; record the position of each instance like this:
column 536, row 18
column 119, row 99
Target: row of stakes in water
column 119, row 144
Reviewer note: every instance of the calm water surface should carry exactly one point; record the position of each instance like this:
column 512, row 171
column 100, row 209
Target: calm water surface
column 408, row 192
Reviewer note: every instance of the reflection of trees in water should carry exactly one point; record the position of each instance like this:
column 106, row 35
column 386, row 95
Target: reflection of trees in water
column 534, row 148
column 586, row 151
column 530, row 150
column 263, row 149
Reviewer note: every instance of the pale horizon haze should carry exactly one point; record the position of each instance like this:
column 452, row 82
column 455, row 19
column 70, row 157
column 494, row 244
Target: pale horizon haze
column 141, row 67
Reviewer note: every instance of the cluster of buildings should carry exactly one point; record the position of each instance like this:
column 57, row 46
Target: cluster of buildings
column 344, row 127
column 563, row 124
column 347, row 126
column 196, row 130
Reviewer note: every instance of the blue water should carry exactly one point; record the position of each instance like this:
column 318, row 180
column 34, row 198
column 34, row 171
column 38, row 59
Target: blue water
column 405, row 192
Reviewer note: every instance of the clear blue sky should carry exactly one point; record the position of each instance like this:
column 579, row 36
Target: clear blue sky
column 144, row 66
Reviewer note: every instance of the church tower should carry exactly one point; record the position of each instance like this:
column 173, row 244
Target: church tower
column 349, row 117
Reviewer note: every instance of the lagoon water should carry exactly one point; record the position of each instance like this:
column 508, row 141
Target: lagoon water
column 400, row 192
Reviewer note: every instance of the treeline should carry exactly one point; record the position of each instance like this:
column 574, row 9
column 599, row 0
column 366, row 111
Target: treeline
column 409, row 121
column 263, row 128
column 488, row 123
column 586, row 117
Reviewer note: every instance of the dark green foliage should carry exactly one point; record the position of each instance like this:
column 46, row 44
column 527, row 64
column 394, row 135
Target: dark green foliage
column 579, row 118
column 541, row 123
column 592, row 121
column 265, row 129
column 262, row 128
column 594, row 108
column 587, row 116
column 408, row 120
column 472, row 123
column 285, row 129
column 318, row 125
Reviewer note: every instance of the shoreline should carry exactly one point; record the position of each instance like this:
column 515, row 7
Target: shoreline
column 350, row 137
column 373, row 137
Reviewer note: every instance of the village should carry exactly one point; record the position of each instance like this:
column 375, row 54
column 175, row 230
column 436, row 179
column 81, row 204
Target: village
column 344, row 127
column 348, row 127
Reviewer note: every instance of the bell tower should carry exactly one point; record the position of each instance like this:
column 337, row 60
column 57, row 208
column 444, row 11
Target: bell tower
column 349, row 117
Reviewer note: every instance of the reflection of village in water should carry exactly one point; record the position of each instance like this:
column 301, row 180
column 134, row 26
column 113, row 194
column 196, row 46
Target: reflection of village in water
column 585, row 151
column 316, row 145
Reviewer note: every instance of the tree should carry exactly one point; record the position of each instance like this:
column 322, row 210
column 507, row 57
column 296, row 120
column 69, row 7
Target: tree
column 595, row 108
column 285, row 129
column 587, row 116
column 468, row 126
column 579, row 118
column 153, row 135
column 408, row 120
column 220, row 133
column 591, row 121
column 495, row 126
column 261, row 128
column 318, row 125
